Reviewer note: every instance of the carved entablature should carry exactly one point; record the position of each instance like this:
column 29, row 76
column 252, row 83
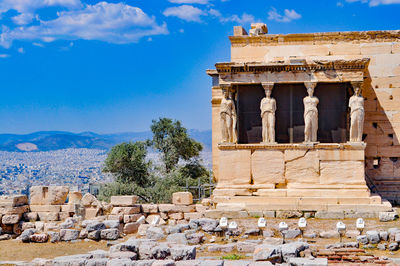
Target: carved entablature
column 281, row 39
column 295, row 71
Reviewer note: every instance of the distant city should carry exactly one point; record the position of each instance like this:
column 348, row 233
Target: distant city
column 78, row 168
column 71, row 167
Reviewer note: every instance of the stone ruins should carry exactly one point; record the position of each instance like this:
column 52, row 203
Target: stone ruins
column 326, row 137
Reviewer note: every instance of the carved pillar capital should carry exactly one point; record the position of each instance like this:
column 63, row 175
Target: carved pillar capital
column 226, row 86
column 356, row 84
column 268, row 85
column 310, row 84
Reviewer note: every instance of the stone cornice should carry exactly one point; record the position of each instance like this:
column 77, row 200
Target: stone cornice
column 326, row 37
column 293, row 146
column 298, row 66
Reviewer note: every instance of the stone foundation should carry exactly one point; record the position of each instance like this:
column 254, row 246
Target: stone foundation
column 303, row 177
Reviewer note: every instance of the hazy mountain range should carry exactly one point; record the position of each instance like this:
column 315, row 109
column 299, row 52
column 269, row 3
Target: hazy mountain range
column 56, row 140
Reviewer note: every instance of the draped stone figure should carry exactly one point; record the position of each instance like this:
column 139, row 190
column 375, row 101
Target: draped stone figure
column 228, row 118
column 268, row 108
column 310, row 114
column 356, row 104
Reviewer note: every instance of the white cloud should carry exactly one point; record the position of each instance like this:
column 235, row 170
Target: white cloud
column 339, row 4
column 114, row 23
column 288, row 15
column 185, row 12
column 21, row 50
column 4, row 55
column 23, row 19
column 243, row 19
column 376, row 2
column 201, row 2
column 38, row 44
column 28, row 6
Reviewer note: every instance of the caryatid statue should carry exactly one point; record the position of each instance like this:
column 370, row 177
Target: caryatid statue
column 310, row 113
column 268, row 108
column 356, row 104
column 228, row 117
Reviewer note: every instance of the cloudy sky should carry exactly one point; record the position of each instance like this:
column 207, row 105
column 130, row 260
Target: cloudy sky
column 113, row 66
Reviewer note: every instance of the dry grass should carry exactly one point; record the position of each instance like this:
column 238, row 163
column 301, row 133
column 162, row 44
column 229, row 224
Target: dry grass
column 12, row 250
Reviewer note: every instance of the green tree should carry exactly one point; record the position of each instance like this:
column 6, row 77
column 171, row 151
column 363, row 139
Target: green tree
column 127, row 162
column 173, row 141
column 135, row 175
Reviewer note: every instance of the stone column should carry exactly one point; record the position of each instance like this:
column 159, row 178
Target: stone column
column 268, row 108
column 310, row 113
column 356, row 104
column 228, row 117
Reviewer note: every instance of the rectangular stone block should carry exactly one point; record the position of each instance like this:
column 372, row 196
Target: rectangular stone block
column 150, row 208
column 376, row 48
column 13, row 201
column 182, row 198
column 329, row 214
column 176, row 215
column 239, row 31
column 92, row 212
column 234, row 168
column 267, row 167
column 395, row 47
column 45, row 208
column 14, row 210
column 303, row 169
column 74, row 197
column 67, row 208
column 313, row 207
column 52, row 195
column 10, row 219
column 48, row 216
column 119, row 217
column 343, row 48
column 341, row 155
column 384, row 65
column 171, row 208
column 201, row 208
column 63, row 215
column 37, row 195
column 317, row 200
column 354, row 201
column 57, row 195
column 126, row 210
column 342, row 172
column 131, row 228
column 193, row 215
column 271, row 192
column 269, row 214
column 232, row 192
column 123, row 201
column 130, row 218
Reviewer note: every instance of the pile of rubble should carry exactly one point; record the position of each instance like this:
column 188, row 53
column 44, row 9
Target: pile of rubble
column 12, row 210
column 57, row 214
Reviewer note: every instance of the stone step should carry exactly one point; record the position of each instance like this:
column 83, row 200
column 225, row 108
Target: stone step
column 297, row 200
column 372, row 204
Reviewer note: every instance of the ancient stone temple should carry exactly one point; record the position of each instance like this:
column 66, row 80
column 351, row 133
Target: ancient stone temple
column 308, row 121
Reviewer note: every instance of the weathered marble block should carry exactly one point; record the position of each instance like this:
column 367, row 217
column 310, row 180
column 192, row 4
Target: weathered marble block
column 53, row 195
column 234, row 168
column 351, row 172
column 268, row 167
column 302, row 168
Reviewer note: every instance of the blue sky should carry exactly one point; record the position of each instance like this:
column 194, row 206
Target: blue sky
column 113, row 66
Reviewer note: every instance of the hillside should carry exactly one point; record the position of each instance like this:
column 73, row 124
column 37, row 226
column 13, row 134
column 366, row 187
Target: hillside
column 57, row 140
